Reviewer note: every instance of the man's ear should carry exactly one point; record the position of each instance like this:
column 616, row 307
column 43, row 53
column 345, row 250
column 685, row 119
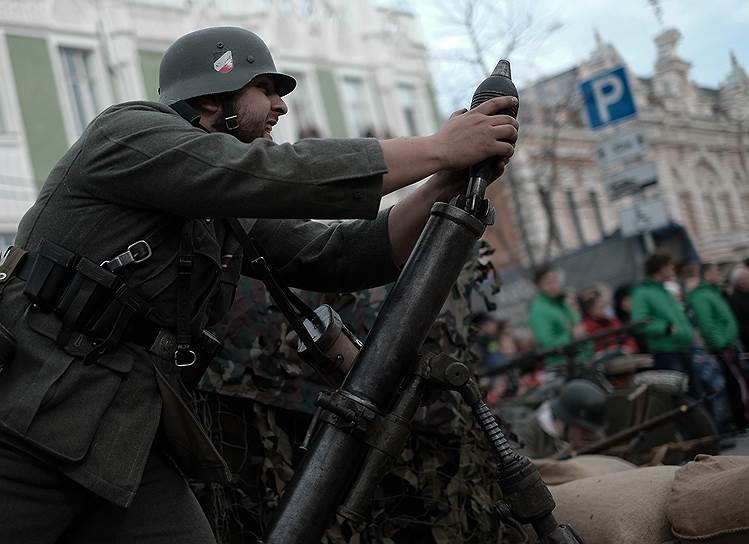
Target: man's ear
column 209, row 104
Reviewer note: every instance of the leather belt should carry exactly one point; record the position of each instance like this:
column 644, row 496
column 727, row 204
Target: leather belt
column 157, row 340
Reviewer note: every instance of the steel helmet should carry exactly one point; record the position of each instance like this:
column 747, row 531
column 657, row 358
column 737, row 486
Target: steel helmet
column 581, row 403
column 216, row 60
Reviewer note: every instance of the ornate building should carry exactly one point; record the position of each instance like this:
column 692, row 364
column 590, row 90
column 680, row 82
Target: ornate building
column 697, row 137
column 361, row 71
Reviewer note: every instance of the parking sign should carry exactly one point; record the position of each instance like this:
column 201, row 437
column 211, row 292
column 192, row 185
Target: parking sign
column 608, row 98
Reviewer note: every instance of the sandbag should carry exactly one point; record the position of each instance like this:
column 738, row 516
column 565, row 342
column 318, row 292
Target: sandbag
column 710, row 500
column 626, row 507
column 583, row 466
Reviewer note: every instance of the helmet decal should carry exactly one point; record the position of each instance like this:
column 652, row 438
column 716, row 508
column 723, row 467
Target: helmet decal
column 224, row 64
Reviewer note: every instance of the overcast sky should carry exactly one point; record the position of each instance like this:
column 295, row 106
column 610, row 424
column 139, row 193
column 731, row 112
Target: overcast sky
column 711, row 29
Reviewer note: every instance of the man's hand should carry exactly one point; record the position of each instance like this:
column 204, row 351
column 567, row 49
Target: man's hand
column 449, row 183
column 469, row 137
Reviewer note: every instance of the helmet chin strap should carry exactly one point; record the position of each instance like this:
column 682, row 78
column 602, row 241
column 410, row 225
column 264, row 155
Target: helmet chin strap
column 230, row 117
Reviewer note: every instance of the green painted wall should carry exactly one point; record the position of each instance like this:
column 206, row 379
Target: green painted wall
column 438, row 117
column 149, row 67
column 332, row 102
column 39, row 102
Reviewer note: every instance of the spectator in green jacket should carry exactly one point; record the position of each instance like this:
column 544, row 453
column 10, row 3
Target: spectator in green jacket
column 719, row 331
column 667, row 334
column 552, row 319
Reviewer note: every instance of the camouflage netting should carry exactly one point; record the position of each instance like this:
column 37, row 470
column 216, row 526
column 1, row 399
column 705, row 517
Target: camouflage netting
column 257, row 398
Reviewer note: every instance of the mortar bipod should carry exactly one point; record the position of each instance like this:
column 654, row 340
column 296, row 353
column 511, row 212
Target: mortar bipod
column 526, row 497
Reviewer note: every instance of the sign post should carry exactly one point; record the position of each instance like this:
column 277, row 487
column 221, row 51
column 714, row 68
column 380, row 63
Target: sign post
column 608, row 98
column 622, row 150
column 643, row 218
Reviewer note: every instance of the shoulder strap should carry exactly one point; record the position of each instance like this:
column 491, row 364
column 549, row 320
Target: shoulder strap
column 286, row 300
column 259, row 267
column 184, row 355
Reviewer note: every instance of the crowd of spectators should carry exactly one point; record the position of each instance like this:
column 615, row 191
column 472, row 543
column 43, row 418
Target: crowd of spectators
column 695, row 322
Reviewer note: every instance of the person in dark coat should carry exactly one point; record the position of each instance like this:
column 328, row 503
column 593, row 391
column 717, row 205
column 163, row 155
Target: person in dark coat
column 130, row 253
column 719, row 331
column 739, row 301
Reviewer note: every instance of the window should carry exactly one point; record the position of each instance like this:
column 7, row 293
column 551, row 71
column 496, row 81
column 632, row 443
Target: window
column 407, row 97
column 728, row 210
column 301, row 112
column 737, row 180
column 357, row 107
column 572, row 205
column 712, row 212
column 596, row 206
column 690, row 215
column 80, row 86
column 4, row 88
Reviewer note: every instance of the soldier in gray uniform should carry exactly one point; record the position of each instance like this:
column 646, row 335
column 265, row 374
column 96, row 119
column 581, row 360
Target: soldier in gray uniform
column 573, row 419
column 128, row 255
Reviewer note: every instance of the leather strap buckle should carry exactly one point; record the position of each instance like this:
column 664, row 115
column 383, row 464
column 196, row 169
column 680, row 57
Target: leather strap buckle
column 137, row 252
column 184, row 356
column 232, row 123
column 10, row 262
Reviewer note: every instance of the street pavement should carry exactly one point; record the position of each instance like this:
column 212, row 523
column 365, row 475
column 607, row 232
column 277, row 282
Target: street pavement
column 741, row 447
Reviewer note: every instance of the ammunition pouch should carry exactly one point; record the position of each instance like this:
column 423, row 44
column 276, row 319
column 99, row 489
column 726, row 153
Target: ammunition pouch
column 50, row 273
column 92, row 300
column 87, row 298
column 74, row 288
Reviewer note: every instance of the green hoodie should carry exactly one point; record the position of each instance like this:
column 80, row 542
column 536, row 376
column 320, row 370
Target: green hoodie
column 651, row 301
column 552, row 320
column 714, row 317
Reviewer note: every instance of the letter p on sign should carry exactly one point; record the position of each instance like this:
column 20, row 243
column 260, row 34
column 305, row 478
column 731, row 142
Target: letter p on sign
column 608, row 98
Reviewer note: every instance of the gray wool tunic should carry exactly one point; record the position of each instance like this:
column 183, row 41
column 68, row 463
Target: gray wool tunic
column 140, row 171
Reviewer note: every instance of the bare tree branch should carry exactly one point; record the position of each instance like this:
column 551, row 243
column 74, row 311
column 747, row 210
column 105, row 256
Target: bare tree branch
column 482, row 31
column 657, row 10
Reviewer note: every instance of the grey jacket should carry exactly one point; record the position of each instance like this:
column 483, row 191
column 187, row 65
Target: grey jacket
column 140, row 169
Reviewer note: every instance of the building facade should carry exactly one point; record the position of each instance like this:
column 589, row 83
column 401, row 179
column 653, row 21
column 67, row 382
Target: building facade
column 697, row 138
column 361, row 70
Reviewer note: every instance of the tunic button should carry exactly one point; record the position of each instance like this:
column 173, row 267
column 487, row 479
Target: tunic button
column 357, row 195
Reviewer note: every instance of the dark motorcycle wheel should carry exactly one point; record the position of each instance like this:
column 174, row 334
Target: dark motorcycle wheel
column 696, row 424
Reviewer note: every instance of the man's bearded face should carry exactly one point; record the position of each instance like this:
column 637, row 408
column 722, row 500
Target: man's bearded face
column 258, row 108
